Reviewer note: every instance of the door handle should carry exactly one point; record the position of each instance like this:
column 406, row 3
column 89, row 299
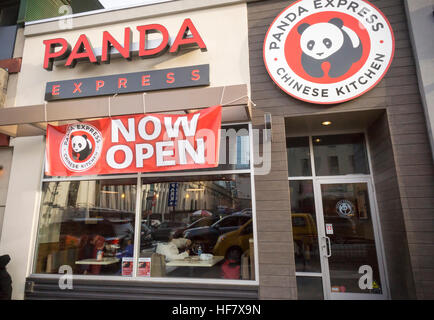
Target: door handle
column 328, row 247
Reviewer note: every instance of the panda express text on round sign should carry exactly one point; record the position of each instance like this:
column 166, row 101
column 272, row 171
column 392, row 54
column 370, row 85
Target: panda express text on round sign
column 135, row 143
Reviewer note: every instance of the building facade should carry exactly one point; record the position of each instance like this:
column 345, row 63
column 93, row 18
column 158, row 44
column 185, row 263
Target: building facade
column 11, row 36
column 327, row 199
column 391, row 118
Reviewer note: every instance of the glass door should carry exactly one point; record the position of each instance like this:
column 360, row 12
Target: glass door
column 352, row 267
column 337, row 245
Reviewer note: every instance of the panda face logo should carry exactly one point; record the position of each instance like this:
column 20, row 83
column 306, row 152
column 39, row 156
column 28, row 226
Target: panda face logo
column 330, row 42
column 81, row 147
column 320, row 40
column 345, row 208
column 328, row 54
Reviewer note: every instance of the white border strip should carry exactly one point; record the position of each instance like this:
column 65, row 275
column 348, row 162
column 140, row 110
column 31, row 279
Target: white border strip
column 152, row 279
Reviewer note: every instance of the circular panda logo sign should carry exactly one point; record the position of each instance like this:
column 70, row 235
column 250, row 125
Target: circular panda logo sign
column 328, row 51
column 345, row 208
column 81, row 147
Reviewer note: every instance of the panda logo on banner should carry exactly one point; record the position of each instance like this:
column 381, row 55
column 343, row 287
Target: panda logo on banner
column 328, row 51
column 81, row 147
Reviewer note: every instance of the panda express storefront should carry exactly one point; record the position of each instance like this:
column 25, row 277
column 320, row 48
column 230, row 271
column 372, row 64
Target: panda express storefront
column 135, row 127
column 350, row 147
column 131, row 135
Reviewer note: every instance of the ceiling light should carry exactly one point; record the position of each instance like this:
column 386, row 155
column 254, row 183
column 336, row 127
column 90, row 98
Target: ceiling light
column 317, row 140
column 196, row 189
column 326, row 123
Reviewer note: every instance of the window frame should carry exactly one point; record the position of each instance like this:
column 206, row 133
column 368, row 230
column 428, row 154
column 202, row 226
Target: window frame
column 312, row 155
column 314, row 177
column 139, row 176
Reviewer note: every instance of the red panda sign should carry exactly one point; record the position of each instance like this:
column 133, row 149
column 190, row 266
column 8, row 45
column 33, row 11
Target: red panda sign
column 328, row 51
column 60, row 49
column 135, row 143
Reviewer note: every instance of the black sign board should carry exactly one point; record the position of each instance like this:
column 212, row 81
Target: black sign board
column 172, row 200
column 191, row 76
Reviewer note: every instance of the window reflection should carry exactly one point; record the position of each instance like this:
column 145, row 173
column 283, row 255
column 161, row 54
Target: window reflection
column 187, row 219
column 87, row 225
column 298, row 157
column 304, row 228
column 43, row 9
column 111, row 4
column 347, row 210
column 310, row 288
column 198, row 226
column 340, row 154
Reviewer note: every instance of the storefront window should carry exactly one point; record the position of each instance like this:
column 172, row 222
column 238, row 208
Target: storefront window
column 191, row 226
column 298, row 157
column 180, row 224
column 186, row 216
column 87, row 225
column 340, row 154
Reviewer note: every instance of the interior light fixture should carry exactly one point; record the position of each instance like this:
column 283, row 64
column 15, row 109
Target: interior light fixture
column 326, row 123
column 317, row 140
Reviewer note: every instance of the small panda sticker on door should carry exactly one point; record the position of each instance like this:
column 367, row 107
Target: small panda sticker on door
column 328, row 52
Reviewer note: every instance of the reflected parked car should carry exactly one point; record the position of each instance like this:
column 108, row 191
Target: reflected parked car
column 146, row 240
column 164, row 230
column 247, row 211
column 202, row 222
column 207, row 236
column 234, row 243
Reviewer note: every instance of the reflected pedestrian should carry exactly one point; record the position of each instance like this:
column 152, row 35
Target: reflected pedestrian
column 5, row 279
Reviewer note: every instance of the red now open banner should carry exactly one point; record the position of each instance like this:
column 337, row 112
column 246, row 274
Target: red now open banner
column 135, row 143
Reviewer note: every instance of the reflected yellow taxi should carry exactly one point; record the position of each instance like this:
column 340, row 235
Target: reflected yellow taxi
column 234, row 242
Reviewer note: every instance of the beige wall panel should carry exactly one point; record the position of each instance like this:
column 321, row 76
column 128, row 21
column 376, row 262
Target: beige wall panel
column 227, row 53
column 19, row 221
column 6, row 162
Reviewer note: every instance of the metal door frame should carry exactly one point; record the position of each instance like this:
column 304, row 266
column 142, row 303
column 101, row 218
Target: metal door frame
column 352, row 178
column 317, row 182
